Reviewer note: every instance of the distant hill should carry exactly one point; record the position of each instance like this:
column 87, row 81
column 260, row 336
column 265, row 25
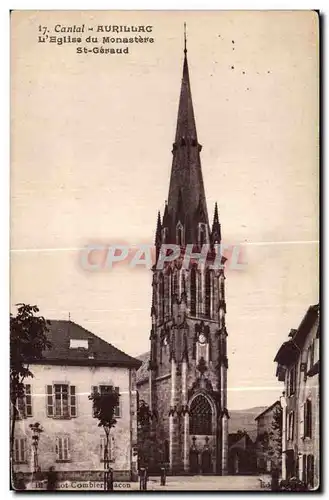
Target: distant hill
column 245, row 420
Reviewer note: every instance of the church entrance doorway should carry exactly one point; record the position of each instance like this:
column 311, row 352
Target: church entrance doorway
column 202, row 442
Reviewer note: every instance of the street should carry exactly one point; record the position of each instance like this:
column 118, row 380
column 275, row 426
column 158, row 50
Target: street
column 173, row 483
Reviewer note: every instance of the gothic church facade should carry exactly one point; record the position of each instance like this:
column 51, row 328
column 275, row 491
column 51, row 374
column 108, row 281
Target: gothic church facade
column 184, row 376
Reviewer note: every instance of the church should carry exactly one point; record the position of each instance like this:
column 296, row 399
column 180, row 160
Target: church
column 183, row 377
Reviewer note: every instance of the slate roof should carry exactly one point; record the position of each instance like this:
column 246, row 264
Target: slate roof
column 99, row 352
column 186, row 198
column 142, row 373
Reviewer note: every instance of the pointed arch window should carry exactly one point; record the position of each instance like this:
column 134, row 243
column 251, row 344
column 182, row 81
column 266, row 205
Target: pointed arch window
column 180, row 234
column 193, row 292
column 175, row 283
column 222, row 287
column 202, row 234
column 161, row 297
column 164, row 234
column 167, row 294
column 200, row 416
column 208, row 294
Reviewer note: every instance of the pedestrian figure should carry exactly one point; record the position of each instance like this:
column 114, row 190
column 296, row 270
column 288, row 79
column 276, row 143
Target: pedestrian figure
column 109, row 479
column 51, row 479
column 275, row 480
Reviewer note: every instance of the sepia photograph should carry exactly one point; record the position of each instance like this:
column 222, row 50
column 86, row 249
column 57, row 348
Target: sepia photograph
column 164, row 250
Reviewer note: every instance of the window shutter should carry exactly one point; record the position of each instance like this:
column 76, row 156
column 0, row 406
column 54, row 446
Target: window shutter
column 94, row 390
column 23, row 450
column 50, row 401
column 16, row 450
column 301, row 422
column 117, row 412
column 111, row 448
column 305, row 419
column 311, row 478
column 304, row 469
column 102, row 448
column 309, row 418
column 58, row 448
column 20, row 404
column 73, row 401
column 28, row 400
column 66, row 448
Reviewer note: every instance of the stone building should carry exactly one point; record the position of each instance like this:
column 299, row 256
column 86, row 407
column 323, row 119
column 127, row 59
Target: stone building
column 184, row 379
column 265, row 435
column 78, row 363
column 298, row 364
column 241, row 454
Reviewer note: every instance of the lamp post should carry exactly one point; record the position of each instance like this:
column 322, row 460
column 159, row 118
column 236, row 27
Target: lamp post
column 283, row 403
column 36, row 431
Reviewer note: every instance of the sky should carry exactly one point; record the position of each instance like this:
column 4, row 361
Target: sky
column 91, row 140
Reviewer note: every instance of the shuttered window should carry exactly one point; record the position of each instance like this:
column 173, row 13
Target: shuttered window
column 102, row 389
column 292, row 381
column 291, row 425
column 62, row 448
column 61, row 401
column 24, row 403
column 301, row 422
column 20, row 451
column 310, row 470
column 28, row 400
column 308, row 418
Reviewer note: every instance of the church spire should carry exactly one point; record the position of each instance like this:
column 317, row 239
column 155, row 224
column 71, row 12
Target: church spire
column 186, row 189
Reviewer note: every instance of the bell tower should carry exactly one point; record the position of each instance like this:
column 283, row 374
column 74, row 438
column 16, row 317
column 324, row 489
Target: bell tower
column 187, row 387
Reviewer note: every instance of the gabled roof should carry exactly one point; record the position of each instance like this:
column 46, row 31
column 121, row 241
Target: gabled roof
column 267, row 410
column 99, row 352
column 239, row 440
column 289, row 350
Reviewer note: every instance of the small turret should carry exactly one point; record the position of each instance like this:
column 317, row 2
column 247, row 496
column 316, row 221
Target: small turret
column 216, row 231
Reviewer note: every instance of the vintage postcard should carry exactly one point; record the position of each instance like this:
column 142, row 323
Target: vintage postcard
column 164, row 328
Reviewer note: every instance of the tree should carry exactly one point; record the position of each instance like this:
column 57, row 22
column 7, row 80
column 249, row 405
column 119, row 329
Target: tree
column 271, row 441
column 149, row 454
column 28, row 340
column 104, row 405
column 275, row 438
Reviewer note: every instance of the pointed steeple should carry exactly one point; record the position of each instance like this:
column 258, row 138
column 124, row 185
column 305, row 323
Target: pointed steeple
column 158, row 230
column 216, row 231
column 186, row 190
